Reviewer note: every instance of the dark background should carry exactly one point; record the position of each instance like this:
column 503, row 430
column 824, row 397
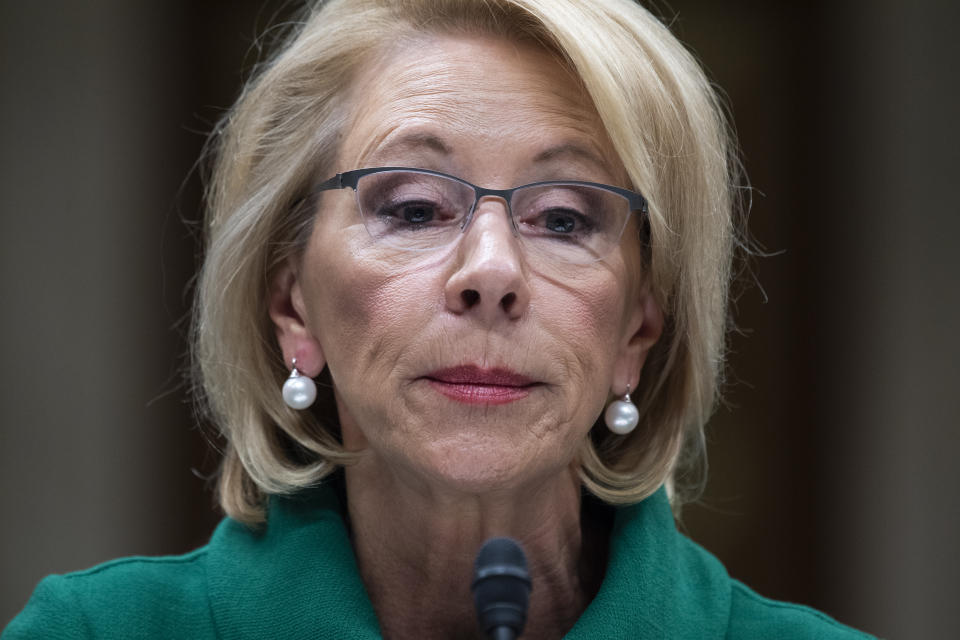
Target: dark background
column 832, row 462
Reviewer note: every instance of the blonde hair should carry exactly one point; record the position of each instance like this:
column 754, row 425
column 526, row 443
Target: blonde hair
column 667, row 128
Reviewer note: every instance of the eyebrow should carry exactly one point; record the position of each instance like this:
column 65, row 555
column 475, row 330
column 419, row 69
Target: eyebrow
column 414, row 141
column 418, row 141
column 571, row 150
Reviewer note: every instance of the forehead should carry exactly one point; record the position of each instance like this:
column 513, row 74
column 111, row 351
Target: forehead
column 467, row 97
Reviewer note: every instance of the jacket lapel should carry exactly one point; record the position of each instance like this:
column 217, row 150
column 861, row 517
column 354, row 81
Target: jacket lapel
column 658, row 583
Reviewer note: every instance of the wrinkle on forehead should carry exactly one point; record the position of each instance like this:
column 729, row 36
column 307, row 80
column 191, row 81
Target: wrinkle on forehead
column 442, row 81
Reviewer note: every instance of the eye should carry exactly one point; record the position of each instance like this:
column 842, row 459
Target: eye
column 410, row 201
column 416, row 212
column 561, row 213
column 560, row 221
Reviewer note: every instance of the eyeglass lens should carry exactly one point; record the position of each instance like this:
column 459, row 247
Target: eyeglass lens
column 416, row 211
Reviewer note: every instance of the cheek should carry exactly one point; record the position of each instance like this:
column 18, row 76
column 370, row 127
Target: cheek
column 585, row 314
column 363, row 312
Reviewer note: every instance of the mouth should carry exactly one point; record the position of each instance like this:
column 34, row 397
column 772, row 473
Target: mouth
column 471, row 384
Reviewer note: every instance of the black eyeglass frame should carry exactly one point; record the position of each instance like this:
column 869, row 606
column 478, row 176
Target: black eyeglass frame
column 350, row 179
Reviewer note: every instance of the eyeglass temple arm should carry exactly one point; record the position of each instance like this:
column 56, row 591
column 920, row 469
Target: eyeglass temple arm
column 638, row 203
column 336, row 182
column 345, row 180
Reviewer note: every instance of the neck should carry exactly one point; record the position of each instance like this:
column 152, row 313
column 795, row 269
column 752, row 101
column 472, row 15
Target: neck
column 416, row 547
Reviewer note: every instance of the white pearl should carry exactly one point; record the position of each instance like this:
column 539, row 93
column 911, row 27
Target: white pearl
column 621, row 417
column 299, row 392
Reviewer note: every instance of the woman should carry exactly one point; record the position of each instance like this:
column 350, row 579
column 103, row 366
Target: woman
column 498, row 233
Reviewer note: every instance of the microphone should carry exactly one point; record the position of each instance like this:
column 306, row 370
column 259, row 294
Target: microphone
column 501, row 588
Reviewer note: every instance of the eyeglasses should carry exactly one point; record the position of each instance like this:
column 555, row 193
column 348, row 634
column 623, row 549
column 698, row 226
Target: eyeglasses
column 421, row 210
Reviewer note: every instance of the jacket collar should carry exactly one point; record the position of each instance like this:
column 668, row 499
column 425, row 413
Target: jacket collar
column 297, row 577
column 294, row 578
column 658, row 583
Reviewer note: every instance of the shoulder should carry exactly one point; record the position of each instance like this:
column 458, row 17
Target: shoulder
column 753, row 616
column 659, row 583
column 294, row 577
column 137, row 597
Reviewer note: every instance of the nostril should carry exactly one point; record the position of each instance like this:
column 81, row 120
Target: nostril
column 470, row 297
column 507, row 301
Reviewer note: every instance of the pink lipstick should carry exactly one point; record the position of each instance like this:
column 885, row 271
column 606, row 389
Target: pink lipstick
column 470, row 384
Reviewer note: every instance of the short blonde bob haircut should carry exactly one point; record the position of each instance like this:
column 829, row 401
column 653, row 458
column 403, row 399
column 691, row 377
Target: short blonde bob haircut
column 667, row 128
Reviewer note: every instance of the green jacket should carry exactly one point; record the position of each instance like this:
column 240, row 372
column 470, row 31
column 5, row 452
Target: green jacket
column 297, row 578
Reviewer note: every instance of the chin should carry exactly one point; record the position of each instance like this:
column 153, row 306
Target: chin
column 480, row 469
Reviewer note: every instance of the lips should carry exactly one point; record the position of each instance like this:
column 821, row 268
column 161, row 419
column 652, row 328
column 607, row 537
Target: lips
column 470, row 384
column 470, row 374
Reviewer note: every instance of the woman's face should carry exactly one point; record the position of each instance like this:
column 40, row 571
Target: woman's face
column 469, row 366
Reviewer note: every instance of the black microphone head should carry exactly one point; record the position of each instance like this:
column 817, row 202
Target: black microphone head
column 501, row 585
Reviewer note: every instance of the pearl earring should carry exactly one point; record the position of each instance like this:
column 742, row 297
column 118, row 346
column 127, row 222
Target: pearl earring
column 299, row 391
column 622, row 416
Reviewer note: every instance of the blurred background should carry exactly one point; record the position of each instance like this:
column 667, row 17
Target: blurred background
column 833, row 481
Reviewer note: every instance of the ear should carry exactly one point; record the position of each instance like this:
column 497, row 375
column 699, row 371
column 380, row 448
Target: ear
column 288, row 312
column 644, row 324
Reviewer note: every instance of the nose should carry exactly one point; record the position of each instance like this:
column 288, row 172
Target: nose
column 489, row 279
